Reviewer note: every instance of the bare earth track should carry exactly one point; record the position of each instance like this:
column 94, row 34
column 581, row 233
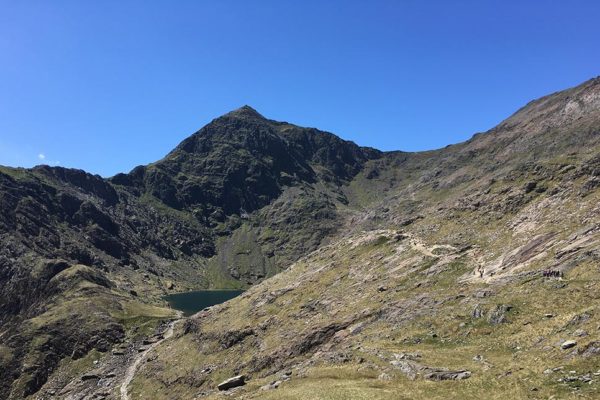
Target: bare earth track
column 132, row 369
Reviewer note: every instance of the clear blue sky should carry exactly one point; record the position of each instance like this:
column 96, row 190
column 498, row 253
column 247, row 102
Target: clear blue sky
column 108, row 85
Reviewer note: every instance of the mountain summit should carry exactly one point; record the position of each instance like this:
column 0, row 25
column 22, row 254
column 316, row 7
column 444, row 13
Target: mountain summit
column 369, row 273
column 245, row 112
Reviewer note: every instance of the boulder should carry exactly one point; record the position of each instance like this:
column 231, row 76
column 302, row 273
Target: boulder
column 89, row 376
column 239, row 380
column 529, row 186
column 272, row 385
column 482, row 294
column 286, row 376
column 567, row 344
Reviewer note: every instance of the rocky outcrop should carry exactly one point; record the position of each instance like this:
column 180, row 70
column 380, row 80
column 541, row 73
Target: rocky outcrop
column 445, row 375
column 499, row 314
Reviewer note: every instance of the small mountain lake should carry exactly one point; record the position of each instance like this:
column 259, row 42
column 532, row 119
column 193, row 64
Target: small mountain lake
column 192, row 302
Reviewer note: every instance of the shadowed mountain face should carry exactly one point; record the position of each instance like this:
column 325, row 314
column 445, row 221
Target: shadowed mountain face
column 84, row 260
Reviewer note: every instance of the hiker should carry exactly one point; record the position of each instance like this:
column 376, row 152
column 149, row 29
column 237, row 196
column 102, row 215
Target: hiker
column 480, row 270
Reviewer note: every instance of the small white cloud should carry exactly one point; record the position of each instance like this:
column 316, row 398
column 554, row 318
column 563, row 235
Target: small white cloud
column 42, row 156
column 55, row 162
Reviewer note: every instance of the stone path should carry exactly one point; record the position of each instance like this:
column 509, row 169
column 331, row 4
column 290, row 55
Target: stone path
column 132, row 369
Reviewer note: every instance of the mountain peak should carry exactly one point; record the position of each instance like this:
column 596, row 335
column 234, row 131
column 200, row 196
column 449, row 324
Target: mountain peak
column 246, row 112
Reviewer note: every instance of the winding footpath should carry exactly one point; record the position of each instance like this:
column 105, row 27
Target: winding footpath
column 132, row 369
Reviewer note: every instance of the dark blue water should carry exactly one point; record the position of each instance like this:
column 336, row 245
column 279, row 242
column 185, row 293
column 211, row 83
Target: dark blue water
column 192, row 302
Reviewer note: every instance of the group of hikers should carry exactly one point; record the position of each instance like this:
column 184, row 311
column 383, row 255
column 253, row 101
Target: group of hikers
column 552, row 273
column 547, row 273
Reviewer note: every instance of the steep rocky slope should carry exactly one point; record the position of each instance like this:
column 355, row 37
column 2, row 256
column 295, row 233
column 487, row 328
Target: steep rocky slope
column 406, row 268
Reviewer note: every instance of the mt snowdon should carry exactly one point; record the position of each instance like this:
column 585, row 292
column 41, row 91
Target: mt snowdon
column 440, row 274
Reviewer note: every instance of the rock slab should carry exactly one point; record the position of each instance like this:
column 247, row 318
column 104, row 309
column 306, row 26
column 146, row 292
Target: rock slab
column 239, row 380
column 568, row 344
